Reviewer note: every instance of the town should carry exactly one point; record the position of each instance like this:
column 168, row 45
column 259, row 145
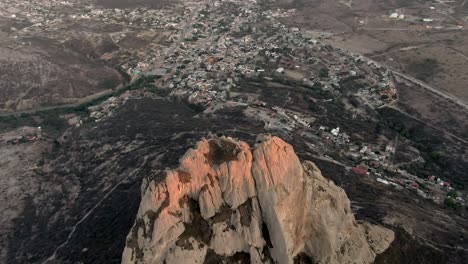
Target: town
column 205, row 57
column 100, row 99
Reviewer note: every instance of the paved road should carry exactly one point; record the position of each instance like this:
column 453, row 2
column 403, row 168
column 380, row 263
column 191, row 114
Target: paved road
column 414, row 29
column 429, row 125
column 422, row 84
column 430, row 88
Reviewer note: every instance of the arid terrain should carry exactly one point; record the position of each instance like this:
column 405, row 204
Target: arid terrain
column 100, row 97
column 427, row 40
column 60, row 53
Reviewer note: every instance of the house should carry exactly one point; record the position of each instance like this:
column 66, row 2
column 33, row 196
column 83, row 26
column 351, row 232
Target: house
column 359, row 171
column 363, row 150
column 363, row 167
column 354, row 148
column 374, row 163
column 414, row 185
column 335, row 131
column 383, row 181
column 260, row 103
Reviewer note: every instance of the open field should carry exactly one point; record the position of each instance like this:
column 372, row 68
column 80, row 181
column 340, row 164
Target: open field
column 437, row 65
column 41, row 75
column 434, row 51
column 436, row 110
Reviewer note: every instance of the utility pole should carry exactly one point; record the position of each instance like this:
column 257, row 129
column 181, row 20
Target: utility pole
column 287, row 99
column 394, row 148
column 391, row 161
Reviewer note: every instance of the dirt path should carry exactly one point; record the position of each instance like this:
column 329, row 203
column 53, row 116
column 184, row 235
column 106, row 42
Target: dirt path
column 72, row 232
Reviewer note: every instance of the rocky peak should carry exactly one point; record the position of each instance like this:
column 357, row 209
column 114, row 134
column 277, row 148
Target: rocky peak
column 230, row 203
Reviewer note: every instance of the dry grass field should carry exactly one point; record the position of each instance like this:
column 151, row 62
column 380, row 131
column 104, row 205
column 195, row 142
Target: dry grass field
column 434, row 51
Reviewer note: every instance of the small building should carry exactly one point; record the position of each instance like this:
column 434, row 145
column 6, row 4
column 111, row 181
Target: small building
column 335, row 131
column 354, row 148
column 414, row 185
column 260, row 103
column 363, row 167
column 374, row 163
column 211, row 60
column 359, row 171
column 383, row 181
column 363, row 149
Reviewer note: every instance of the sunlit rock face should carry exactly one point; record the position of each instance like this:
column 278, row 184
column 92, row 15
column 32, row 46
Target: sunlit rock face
column 230, row 203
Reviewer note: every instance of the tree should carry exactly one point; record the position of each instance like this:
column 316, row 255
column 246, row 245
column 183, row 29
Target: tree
column 324, row 72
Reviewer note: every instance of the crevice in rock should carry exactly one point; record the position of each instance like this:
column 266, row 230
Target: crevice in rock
column 199, row 228
column 269, row 174
column 266, row 235
column 221, row 151
column 238, row 258
column 153, row 215
column 303, row 258
column 151, row 218
column 224, row 214
column 184, row 177
column 132, row 241
column 246, row 211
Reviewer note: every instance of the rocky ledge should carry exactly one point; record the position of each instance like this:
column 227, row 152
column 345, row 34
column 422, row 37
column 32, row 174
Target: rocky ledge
column 230, row 203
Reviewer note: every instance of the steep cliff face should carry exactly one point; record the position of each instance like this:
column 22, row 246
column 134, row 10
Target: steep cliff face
column 228, row 202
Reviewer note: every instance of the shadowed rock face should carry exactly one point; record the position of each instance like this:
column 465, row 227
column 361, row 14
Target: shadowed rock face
column 230, row 203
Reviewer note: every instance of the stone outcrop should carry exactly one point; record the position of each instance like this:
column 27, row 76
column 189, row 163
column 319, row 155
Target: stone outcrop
column 229, row 203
